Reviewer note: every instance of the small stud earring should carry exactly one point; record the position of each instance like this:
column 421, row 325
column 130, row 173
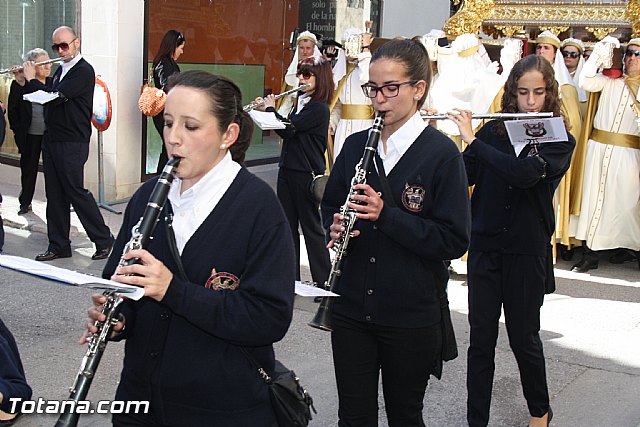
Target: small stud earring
column 223, row 146
column 416, row 98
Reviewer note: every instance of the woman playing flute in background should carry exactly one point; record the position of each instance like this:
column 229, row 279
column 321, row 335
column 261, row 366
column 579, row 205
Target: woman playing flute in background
column 303, row 147
column 513, row 221
column 183, row 337
column 387, row 318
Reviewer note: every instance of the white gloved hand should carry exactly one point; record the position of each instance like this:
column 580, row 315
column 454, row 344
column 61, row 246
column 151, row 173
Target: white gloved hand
column 602, row 54
column 493, row 67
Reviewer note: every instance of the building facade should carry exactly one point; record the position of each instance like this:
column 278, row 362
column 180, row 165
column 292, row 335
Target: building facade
column 249, row 41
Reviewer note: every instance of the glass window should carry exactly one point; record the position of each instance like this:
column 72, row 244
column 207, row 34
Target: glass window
column 26, row 25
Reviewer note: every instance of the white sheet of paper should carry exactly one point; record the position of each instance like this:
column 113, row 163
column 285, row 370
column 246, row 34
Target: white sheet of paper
column 69, row 276
column 542, row 130
column 305, row 290
column 266, row 120
column 40, row 97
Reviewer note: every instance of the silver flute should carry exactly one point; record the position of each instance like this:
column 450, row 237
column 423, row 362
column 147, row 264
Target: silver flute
column 255, row 105
column 16, row 68
column 140, row 236
column 493, row 116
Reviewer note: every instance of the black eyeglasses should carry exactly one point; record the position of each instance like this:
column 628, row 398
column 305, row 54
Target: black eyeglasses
column 631, row 52
column 305, row 74
column 390, row 90
column 62, row 46
column 586, row 56
column 573, row 55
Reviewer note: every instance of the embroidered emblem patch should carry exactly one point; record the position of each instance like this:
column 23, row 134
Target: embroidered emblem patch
column 222, row 280
column 413, row 197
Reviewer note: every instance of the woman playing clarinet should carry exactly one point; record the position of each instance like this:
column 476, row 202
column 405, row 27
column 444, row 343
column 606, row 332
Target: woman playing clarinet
column 218, row 274
column 413, row 213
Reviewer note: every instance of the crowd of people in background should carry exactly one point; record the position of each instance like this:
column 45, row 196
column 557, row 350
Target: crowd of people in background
column 414, row 212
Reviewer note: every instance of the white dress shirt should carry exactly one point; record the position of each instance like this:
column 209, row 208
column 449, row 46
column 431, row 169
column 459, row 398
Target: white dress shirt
column 192, row 207
column 400, row 141
column 66, row 66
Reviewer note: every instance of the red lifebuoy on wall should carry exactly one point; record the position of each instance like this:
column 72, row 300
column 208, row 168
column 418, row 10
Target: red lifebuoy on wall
column 101, row 117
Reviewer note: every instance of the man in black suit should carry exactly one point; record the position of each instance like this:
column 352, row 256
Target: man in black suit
column 65, row 149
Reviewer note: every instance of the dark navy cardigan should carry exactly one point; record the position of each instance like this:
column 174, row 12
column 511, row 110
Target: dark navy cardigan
column 183, row 353
column 306, row 134
column 512, row 201
column 13, row 383
column 391, row 267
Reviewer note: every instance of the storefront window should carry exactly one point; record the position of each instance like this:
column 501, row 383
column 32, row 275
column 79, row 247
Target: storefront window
column 26, row 25
column 248, row 41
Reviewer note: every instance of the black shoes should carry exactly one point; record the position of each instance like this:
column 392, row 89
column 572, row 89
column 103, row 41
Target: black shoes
column 50, row 256
column 103, row 252
column 24, row 209
column 565, row 253
column 623, row 255
column 585, row 264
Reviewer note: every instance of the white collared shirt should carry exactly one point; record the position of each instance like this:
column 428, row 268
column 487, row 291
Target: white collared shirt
column 192, row 207
column 66, row 66
column 400, row 141
column 302, row 101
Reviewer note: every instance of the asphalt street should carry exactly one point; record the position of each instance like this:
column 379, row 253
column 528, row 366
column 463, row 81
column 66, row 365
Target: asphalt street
column 590, row 331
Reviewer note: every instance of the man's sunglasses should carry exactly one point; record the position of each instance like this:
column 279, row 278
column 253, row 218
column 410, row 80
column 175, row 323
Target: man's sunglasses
column 573, row 55
column 305, row 74
column 62, row 46
column 631, row 52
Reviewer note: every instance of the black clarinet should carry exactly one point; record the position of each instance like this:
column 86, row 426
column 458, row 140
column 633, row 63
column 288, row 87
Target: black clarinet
column 322, row 319
column 140, row 236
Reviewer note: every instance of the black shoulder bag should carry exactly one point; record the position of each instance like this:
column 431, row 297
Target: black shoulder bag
column 291, row 403
column 318, row 182
column 449, row 345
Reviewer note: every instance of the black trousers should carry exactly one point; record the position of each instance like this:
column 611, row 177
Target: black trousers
column 405, row 356
column 515, row 283
column 158, row 122
column 300, row 208
column 29, row 158
column 64, row 186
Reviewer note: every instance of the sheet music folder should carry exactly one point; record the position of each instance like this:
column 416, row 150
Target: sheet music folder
column 38, row 268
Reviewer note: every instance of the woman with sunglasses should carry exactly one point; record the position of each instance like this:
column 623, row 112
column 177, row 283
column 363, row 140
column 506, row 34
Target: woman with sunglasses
column 303, row 147
column 164, row 66
column 413, row 213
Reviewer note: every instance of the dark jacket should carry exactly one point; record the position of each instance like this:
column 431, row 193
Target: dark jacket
column 3, row 127
column 68, row 118
column 182, row 354
column 163, row 70
column 19, row 112
column 12, row 380
column 390, row 271
column 511, row 205
column 305, row 138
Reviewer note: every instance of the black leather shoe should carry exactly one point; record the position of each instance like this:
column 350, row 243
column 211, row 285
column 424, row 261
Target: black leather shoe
column 104, row 252
column 50, row 256
column 24, row 209
column 565, row 253
column 585, row 264
column 621, row 256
